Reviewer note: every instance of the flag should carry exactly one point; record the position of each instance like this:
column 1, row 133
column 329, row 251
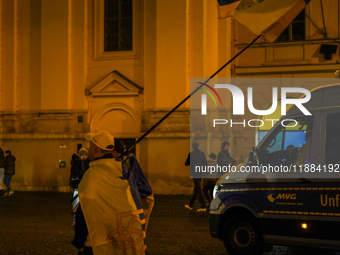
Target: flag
column 112, row 210
column 267, row 18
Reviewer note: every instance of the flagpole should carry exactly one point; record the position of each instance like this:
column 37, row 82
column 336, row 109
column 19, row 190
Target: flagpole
column 185, row 99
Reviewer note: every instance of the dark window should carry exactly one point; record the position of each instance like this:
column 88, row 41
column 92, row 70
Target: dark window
column 128, row 143
column 80, row 119
column 295, row 31
column 333, row 139
column 79, row 146
column 288, row 145
column 118, row 25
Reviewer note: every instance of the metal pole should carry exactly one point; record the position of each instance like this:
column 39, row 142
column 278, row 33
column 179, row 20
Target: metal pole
column 185, row 99
column 323, row 20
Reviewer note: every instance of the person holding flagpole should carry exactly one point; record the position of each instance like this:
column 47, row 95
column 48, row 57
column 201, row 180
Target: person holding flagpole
column 109, row 217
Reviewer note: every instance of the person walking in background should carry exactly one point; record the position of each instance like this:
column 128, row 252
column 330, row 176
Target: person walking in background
column 224, row 158
column 142, row 183
column 79, row 164
column 209, row 182
column 2, row 170
column 9, row 171
column 196, row 158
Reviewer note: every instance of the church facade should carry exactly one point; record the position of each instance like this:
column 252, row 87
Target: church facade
column 69, row 67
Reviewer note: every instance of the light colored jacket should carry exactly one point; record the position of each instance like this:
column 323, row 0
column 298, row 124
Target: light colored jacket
column 112, row 217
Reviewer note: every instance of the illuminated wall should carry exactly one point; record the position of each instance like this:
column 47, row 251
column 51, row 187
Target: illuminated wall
column 57, row 83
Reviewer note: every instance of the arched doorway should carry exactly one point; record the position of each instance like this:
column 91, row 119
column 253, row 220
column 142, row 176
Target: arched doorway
column 120, row 121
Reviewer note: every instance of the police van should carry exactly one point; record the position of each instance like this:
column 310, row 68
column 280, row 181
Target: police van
column 288, row 190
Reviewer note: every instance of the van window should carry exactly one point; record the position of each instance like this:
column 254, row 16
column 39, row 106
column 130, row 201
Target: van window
column 288, row 144
column 333, row 139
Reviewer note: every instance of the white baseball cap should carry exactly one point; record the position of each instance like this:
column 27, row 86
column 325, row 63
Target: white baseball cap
column 102, row 139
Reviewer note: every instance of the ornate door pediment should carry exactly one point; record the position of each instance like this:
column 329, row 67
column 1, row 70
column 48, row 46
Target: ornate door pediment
column 113, row 85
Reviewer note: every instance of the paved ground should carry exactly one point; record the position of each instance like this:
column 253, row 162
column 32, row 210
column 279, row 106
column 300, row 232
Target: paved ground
column 39, row 223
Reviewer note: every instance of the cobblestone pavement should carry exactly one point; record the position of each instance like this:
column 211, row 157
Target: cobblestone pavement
column 40, row 223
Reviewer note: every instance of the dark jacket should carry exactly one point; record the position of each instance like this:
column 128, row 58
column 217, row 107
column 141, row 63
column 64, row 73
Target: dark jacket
column 10, row 165
column 224, row 158
column 78, row 168
column 196, row 158
column 2, row 159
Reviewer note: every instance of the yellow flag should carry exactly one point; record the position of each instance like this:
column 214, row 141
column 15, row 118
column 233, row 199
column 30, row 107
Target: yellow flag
column 111, row 215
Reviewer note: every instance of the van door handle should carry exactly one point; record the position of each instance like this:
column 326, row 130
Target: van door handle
column 303, row 180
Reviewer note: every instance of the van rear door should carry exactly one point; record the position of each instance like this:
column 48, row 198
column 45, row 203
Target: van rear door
column 326, row 205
